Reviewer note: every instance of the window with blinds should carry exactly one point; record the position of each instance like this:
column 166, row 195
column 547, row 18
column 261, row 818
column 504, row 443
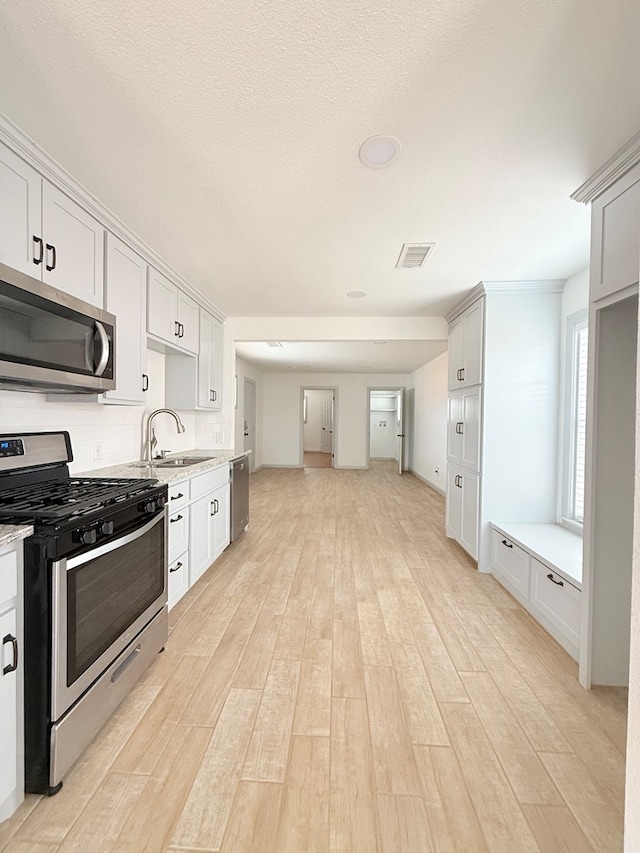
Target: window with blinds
column 575, row 419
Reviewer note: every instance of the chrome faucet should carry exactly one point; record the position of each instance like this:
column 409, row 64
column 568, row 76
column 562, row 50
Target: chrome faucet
column 151, row 441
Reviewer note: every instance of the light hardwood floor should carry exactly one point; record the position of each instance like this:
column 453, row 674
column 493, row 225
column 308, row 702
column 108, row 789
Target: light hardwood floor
column 343, row 679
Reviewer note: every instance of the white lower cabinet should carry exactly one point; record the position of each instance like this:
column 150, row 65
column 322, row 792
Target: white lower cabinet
column 178, row 578
column 11, row 713
column 510, row 563
column 544, row 590
column 463, row 495
column 198, row 518
column 558, row 603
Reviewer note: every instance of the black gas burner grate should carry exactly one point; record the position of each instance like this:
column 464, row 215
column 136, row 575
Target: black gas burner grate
column 62, row 499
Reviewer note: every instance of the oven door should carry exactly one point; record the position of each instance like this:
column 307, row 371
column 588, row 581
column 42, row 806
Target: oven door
column 101, row 600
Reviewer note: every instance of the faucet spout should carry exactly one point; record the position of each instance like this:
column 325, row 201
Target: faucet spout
column 151, row 437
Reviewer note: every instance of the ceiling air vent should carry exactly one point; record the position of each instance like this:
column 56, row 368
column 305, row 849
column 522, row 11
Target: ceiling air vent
column 414, row 255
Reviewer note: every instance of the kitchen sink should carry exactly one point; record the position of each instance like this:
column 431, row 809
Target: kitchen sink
column 178, row 462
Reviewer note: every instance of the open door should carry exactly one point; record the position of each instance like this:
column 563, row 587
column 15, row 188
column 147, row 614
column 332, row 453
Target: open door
column 400, row 422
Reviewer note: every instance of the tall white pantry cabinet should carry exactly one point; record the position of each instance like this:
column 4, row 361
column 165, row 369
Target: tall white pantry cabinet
column 502, row 429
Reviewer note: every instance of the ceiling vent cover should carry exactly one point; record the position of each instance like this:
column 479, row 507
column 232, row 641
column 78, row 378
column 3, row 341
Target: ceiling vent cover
column 414, row 255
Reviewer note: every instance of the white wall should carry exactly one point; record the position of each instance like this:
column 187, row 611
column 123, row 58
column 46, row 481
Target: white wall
column 312, row 433
column 282, row 433
column 118, row 428
column 428, row 438
column 244, row 370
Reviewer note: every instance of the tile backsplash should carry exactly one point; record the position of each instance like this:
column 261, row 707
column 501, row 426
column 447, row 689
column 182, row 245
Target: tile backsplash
column 118, row 429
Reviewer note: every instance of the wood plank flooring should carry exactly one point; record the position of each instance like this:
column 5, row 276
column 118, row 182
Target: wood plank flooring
column 344, row 680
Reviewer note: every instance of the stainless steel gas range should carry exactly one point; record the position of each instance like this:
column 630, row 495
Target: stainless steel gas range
column 95, row 595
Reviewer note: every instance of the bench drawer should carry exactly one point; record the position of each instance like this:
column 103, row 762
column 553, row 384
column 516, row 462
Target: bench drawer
column 511, row 563
column 557, row 600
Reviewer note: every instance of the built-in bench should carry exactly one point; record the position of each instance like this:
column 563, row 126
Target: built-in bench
column 541, row 566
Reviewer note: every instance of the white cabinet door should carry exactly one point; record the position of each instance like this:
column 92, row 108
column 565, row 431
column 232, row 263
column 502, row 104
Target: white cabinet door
column 188, row 319
column 473, row 343
column 178, row 532
column 221, row 520
column 74, row 247
column 126, row 297
column 463, row 499
column 210, row 362
column 21, row 245
column 200, row 537
column 466, row 336
column 464, row 428
column 615, row 237
column 178, row 578
column 162, row 307
column 456, row 352
column 8, row 715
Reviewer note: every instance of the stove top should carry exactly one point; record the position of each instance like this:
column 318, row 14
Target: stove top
column 58, row 500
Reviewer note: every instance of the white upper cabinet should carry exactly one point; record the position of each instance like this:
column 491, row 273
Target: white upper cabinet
column 20, row 213
column 465, row 347
column 172, row 316
column 47, row 235
column 126, row 297
column 74, row 247
column 210, row 362
column 615, row 237
column 197, row 383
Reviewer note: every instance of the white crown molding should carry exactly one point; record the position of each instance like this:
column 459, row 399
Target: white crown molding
column 493, row 287
column 623, row 160
column 26, row 148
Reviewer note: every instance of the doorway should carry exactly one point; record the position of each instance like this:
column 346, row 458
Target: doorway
column 386, row 426
column 250, row 421
column 317, row 428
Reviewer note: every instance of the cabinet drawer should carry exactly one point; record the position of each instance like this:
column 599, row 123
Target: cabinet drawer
column 511, row 563
column 8, row 575
column 178, row 578
column 557, row 600
column 178, row 531
column 209, row 481
column 179, row 494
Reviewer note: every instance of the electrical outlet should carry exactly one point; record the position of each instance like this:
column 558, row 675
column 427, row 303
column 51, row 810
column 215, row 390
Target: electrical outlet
column 97, row 451
column 218, row 438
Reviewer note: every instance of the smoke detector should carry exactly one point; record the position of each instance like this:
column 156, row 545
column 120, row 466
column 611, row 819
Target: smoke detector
column 414, row 255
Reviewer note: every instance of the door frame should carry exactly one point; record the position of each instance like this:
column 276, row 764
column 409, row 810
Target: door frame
column 395, row 388
column 334, row 437
column 252, row 455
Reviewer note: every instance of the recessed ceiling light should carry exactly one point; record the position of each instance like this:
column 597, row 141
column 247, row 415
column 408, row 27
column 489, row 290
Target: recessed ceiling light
column 378, row 151
column 356, row 294
column 274, row 343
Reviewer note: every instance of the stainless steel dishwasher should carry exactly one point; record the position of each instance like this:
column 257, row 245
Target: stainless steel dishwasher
column 239, row 496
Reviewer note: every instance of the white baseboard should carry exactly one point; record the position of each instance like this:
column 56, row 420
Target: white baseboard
column 428, row 482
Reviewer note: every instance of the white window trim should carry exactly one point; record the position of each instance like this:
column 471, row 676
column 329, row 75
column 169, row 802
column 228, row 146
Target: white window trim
column 574, row 323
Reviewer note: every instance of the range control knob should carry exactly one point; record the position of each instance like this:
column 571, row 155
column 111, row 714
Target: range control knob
column 150, row 505
column 106, row 528
column 88, row 537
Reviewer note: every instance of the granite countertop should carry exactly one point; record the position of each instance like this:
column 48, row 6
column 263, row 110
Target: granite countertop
column 133, row 470
column 13, row 532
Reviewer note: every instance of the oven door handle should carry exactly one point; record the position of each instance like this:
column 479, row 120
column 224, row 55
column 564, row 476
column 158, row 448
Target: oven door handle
column 94, row 553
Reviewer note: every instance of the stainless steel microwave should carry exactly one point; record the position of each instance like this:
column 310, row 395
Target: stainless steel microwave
column 52, row 341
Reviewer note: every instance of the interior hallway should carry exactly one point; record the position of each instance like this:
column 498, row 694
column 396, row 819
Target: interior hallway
column 344, row 680
column 311, row 459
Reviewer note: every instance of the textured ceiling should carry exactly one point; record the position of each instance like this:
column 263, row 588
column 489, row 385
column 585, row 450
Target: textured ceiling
column 226, row 135
column 340, row 356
